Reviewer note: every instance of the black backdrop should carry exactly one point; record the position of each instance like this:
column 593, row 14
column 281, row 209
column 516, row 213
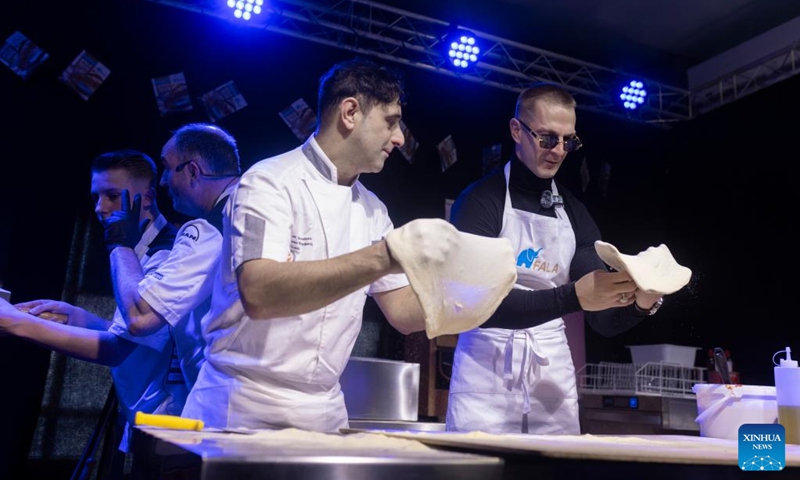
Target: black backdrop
column 715, row 189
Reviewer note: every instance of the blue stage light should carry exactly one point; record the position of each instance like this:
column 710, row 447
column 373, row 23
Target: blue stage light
column 463, row 49
column 245, row 9
column 633, row 94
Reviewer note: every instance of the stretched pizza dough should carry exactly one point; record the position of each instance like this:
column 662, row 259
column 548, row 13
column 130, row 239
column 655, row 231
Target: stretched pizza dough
column 462, row 290
column 653, row 270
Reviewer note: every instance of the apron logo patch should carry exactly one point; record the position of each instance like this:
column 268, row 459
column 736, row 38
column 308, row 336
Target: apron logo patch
column 191, row 232
column 526, row 257
column 529, row 259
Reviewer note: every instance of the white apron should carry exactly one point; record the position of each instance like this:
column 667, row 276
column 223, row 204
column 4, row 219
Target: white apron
column 521, row 381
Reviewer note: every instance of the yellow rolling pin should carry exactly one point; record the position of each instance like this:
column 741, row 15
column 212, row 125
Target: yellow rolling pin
column 167, row 421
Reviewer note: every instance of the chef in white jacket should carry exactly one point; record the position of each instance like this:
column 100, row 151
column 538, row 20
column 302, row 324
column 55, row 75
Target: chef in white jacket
column 303, row 247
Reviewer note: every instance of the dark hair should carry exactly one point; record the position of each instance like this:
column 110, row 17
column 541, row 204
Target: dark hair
column 216, row 147
column 136, row 163
column 543, row 91
column 362, row 79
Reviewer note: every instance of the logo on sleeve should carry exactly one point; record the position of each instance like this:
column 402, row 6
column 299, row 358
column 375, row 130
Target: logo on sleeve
column 191, row 232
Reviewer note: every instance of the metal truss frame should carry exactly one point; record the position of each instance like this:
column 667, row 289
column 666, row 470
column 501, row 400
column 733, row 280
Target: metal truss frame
column 407, row 38
column 778, row 66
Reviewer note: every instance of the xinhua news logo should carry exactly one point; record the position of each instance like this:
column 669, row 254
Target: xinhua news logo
column 762, row 447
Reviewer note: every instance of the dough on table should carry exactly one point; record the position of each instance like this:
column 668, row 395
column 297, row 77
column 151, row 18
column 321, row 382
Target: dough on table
column 654, row 270
column 461, row 292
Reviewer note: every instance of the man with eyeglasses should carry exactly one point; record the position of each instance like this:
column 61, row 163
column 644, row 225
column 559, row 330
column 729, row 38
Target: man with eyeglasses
column 160, row 304
column 201, row 170
column 139, row 369
column 515, row 374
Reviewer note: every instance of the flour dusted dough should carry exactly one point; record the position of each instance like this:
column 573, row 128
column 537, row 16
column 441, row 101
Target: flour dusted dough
column 653, row 270
column 460, row 292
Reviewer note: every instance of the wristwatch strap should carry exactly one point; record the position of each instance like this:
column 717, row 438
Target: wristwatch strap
column 652, row 310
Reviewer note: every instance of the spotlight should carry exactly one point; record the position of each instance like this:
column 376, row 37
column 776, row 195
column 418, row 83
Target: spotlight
column 245, row 9
column 462, row 49
column 633, row 95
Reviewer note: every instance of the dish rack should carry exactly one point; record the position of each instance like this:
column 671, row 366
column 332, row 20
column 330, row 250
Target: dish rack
column 652, row 378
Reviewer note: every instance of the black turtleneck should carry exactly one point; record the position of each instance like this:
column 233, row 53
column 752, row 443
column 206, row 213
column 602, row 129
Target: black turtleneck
column 479, row 210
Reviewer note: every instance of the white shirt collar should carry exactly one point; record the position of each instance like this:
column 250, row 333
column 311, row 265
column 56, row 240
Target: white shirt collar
column 149, row 235
column 321, row 162
column 228, row 191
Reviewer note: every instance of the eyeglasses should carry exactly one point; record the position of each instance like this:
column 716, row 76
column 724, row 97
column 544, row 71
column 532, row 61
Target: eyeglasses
column 181, row 166
column 549, row 142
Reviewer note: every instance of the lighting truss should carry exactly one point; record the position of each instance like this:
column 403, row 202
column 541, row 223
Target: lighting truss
column 407, row 38
column 749, row 79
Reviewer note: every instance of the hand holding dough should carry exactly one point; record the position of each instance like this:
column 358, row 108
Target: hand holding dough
column 459, row 278
column 653, row 270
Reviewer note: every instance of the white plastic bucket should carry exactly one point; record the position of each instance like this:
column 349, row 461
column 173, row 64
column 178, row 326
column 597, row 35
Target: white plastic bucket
column 722, row 409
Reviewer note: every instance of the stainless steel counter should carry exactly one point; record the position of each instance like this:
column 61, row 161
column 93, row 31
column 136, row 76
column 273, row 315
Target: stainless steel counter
column 603, row 457
column 186, row 455
column 397, row 425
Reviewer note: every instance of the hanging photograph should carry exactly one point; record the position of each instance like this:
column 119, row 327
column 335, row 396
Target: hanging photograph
column 84, row 75
column 172, row 94
column 21, row 55
column 300, row 118
column 222, row 101
column 410, row 145
column 447, row 152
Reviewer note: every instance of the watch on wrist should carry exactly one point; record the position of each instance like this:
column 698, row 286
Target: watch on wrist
column 652, row 310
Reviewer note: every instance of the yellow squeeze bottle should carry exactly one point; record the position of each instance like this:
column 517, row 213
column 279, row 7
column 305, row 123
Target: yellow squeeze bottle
column 787, row 393
column 167, row 421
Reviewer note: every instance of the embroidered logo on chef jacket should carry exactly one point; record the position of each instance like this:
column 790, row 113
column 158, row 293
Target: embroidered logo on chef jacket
column 762, row 447
column 529, row 258
column 191, row 232
column 298, row 243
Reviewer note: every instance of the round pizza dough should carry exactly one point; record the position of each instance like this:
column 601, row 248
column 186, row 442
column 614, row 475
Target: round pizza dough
column 653, row 270
column 461, row 291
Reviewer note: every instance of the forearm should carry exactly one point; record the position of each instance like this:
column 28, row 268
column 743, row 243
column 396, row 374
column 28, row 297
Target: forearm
column 529, row 308
column 126, row 273
column 402, row 309
column 91, row 321
column 84, row 344
column 76, row 316
column 271, row 289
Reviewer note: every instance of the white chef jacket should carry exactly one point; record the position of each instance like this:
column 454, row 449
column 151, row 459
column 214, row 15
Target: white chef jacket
column 139, row 380
column 180, row 290
column 284, row 372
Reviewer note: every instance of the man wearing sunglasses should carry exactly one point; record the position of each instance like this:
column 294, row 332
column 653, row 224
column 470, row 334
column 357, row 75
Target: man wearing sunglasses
column 515, row 374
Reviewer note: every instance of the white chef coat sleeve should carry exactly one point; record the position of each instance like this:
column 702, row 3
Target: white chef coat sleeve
column 184, row 280
column 382, row 226
column 158, row 339
column 261, row 219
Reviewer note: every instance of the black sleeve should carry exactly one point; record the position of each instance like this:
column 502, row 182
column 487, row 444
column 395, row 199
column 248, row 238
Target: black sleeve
column 479, row 208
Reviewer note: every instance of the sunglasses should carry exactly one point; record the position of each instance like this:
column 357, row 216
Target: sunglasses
column 549, row 142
